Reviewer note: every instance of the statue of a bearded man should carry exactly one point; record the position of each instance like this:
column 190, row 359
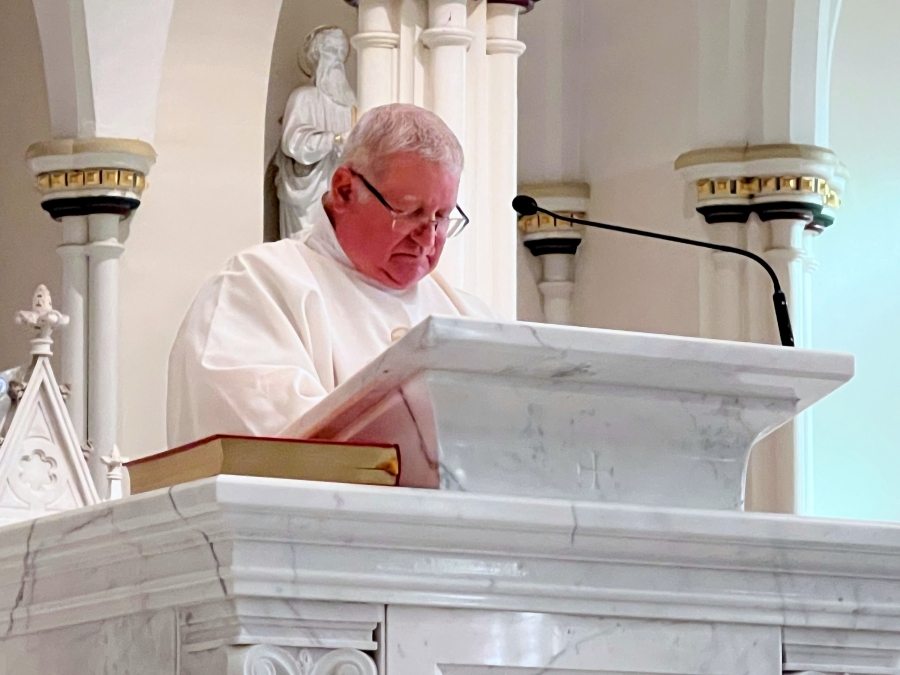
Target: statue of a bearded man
column 316, row 120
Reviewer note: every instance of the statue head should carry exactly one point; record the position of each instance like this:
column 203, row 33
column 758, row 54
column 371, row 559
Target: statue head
column 393, row 199
column 322, row 57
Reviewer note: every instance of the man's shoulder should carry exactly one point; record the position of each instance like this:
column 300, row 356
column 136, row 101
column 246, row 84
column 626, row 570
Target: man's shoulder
column 283, row 258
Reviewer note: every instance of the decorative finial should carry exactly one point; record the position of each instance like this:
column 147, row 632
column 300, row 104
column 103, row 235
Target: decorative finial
column 43, row 319
column 114, row 473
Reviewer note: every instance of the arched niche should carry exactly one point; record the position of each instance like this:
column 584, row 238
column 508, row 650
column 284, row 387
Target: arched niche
column 296, row 20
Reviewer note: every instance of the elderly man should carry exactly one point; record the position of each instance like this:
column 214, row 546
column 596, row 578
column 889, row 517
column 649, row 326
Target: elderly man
column 285, row 323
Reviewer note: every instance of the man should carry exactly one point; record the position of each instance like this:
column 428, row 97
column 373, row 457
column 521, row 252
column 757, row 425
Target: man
column 285, row 323
column 316, row 120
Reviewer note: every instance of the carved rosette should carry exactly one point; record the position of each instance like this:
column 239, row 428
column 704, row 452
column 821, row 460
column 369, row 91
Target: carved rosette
column 271, row 660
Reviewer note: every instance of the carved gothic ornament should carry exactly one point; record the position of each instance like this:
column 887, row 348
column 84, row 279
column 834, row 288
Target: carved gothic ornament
column 271, row 660
column 42, row 469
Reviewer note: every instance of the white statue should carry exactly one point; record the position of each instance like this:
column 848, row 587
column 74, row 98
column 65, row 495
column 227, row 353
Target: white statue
column 316, row 121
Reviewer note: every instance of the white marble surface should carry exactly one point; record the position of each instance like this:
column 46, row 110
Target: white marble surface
column 536, row 410
column 231, row 562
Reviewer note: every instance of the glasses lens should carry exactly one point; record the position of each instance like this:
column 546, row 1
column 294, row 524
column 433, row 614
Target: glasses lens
column 456, row 226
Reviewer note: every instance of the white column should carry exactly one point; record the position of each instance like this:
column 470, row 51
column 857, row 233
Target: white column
column 376, row 44
column 448, row 39
column 557, row 287
column 74, row 296
column 776, row 465
column 723, row 309
column 104, row 251
column 803, row 462
column 503, row 50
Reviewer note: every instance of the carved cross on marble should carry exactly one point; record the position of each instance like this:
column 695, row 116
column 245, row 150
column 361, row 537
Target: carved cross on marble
column 43, row 319
column 600, row 479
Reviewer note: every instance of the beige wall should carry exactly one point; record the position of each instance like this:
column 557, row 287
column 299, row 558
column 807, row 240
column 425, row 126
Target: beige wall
column 204, row 201
column 216, row 129
column 608, row 97
column 28, row 238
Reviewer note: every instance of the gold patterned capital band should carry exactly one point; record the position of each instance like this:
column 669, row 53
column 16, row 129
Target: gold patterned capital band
column 541, row 222
column 91, row 179
column 765, row 186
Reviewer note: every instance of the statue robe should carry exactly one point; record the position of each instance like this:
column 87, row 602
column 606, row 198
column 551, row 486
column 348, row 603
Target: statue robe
column 308, row 154
column 280, row 327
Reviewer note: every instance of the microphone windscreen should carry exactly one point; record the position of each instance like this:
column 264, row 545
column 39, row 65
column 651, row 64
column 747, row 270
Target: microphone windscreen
column 524, row 205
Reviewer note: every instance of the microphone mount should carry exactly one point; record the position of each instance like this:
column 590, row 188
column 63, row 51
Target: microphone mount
column 527, row 206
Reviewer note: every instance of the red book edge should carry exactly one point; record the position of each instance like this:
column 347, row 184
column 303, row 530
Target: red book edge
column 215, row 437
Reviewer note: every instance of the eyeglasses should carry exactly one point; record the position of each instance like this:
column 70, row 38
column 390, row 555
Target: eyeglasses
column 452, row 224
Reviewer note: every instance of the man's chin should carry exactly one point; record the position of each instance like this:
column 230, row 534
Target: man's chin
column 408, row 271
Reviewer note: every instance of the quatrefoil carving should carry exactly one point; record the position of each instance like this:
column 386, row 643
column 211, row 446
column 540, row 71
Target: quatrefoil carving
column 38, row 471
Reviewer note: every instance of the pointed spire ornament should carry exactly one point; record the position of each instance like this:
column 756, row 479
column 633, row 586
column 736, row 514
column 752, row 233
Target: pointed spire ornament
column 43, row 319
column 114, row 472
column 42, row 468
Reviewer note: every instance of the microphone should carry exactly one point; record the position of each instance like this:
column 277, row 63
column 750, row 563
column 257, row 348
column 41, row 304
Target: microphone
column 527, row 206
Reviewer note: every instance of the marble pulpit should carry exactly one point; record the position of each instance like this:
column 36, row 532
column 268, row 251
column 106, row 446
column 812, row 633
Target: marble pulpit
column 553, row 411
column 515, row 568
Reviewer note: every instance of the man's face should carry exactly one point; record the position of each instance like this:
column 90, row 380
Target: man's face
column 395, row 251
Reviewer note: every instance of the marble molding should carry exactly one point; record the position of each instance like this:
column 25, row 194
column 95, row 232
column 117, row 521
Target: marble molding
column 251, row 576
column 538, row 410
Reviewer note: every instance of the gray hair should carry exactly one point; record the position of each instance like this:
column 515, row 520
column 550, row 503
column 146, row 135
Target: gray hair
column 398, row 127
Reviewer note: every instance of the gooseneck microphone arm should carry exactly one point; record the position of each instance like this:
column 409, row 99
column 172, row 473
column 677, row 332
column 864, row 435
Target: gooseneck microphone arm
column 527, row 206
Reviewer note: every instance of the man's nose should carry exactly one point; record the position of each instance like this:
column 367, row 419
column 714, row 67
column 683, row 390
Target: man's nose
column 424, row 235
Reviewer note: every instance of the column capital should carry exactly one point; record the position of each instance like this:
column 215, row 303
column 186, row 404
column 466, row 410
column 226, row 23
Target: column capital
column 499, row 45
column 375, row 40
column 78, row 177
column 526, row 5
column 774, row 181
column 446, row 36
column 543, row 234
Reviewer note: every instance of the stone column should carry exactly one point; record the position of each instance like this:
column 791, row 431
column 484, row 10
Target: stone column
column 91, row 186
column 503, row 52
column 74, row 304
column 770, row 200
column 376, row 45
column 555, row 243
column 104, row 251
column 448, row 39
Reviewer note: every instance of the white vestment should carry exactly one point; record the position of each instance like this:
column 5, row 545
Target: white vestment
column 279, row 328
column 308, row 155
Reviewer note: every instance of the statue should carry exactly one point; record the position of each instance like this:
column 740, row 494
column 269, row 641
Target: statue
column 316, row 121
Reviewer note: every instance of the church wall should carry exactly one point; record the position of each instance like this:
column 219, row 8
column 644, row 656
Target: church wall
column 28, row 237
column 856, row 306
column 297, row 19
column 204, row 202
column 625, row 108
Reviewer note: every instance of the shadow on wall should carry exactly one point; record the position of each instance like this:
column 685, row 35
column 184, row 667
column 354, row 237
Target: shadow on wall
column 297, row 19
column 28, row 237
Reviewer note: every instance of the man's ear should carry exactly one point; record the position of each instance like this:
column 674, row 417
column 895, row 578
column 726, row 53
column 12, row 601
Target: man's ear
column 342, row 188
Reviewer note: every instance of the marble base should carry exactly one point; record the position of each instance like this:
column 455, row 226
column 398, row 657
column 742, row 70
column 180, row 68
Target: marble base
column 588, row 414
column 248, row 576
